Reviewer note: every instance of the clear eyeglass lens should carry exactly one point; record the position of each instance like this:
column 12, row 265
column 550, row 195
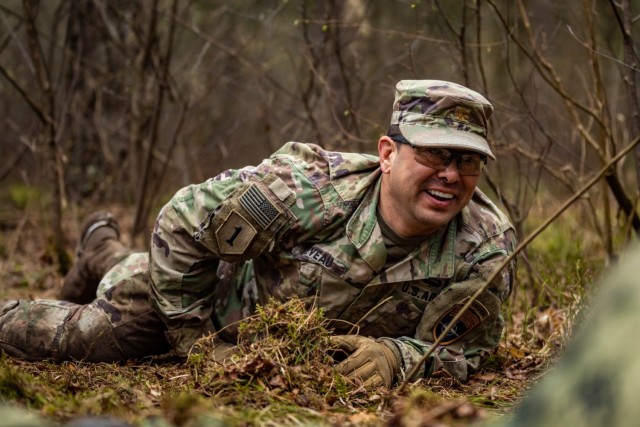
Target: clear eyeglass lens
column 468, row 164
column 435, row 158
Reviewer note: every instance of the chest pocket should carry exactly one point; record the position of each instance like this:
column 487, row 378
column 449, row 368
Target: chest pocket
column 422, row 292
column 401, row 315
column 324, row 275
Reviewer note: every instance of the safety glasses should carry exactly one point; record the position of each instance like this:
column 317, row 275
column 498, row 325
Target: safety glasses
column 469, row 163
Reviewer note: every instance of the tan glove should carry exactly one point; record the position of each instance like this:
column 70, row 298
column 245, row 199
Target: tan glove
column 373, row 362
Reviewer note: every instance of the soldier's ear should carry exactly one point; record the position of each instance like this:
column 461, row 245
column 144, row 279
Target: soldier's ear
column 387, row 150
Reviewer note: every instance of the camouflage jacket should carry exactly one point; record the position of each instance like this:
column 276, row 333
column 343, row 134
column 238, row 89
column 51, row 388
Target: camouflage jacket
column 303, row 223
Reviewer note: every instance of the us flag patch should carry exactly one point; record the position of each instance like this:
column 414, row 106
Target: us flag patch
column 259, row 206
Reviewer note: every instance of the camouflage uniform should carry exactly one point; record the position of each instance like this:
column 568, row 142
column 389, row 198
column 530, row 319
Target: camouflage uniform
column 302, row 223
column 596, row 381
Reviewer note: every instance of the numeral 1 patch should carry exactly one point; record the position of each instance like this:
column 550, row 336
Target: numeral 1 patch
column 235, row 234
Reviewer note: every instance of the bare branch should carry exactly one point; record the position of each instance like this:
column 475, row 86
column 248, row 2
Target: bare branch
column 604, row 55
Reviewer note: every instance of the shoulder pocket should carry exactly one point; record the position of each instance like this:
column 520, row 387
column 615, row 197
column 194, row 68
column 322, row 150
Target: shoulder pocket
column 249, row 221
column 441, row 311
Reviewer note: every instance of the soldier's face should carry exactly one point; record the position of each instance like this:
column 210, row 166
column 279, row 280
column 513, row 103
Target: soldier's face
column 415, row 199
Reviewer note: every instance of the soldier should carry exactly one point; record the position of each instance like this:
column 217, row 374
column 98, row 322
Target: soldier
column 393, row 245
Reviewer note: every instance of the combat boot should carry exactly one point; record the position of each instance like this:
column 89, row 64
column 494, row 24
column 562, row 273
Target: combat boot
column 98, row 250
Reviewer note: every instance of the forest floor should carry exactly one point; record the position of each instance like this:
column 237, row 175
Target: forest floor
column 278, row 381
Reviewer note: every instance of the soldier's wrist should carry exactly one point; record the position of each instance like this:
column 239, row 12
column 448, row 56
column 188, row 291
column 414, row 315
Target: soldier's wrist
column 394, row 356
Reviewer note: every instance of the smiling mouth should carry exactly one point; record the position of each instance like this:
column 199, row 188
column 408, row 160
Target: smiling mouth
column 440, row 195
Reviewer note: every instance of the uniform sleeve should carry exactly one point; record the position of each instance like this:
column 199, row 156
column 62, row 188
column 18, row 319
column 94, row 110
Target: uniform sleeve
column 479, row 330
column 234, row 217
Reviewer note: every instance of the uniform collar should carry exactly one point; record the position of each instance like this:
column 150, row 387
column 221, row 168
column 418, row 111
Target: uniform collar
column 434, row 258
column 364, row 232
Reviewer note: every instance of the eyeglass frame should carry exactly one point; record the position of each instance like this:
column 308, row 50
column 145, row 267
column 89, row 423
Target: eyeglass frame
column 453, row 155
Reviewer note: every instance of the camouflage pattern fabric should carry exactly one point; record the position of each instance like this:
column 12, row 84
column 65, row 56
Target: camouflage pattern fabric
column 303, row 223
column 120, row 324
column 436, row 113
column 596, row 381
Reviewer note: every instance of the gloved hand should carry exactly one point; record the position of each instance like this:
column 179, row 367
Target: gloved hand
column 374, row 362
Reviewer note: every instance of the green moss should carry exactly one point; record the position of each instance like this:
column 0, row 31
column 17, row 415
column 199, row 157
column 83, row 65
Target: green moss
column 21, row 387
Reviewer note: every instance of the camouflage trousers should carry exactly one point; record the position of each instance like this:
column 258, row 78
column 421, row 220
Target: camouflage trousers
column 119, row 324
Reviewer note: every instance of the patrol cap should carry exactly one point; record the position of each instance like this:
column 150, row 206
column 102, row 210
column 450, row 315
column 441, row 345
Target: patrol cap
column 436, row 113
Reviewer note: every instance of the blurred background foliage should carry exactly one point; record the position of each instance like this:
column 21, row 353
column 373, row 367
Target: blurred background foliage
column 125, row 101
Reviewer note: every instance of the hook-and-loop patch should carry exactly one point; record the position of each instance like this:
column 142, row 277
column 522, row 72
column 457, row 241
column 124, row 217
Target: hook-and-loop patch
column 249, row 220
column 469, row 320
column 259, row 206
column 235, row 234
column 440, row 312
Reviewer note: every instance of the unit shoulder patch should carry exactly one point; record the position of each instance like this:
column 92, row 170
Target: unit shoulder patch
column 469, row 320
column 235, row 234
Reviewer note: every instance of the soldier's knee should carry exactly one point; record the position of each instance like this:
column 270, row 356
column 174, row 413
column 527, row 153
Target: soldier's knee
column 90, row 336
